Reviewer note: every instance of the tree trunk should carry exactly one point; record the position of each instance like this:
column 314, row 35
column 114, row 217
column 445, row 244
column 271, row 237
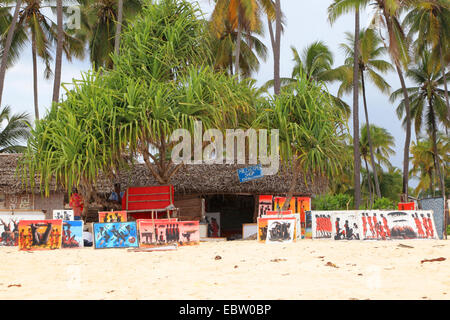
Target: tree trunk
column 356, row 151
column 408, row 135
column 435, row 151
column 277, row 49
column 118, row 27
column 372, row 157
column 238, row 47
column 445, row 83
column 59, row 50
column 368, row 180
column 7, row 46
column 295, row 172
column 35, row 86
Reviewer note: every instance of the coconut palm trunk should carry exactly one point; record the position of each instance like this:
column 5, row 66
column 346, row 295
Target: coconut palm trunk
column 369, row 184
column 238, row 46
column 408, row 134
column 118, row 26
column 369, row 138
column 59, row 50
column 435, row 150
column 7, row 46
column 444, row 70
column 277, row 49
column 356, row 150
column 35, row 85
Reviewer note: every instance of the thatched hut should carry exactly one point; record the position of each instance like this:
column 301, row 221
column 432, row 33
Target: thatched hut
column 198, row 189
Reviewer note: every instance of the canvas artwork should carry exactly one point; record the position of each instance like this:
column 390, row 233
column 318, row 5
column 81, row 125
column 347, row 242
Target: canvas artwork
column 112, row 216
column 213, row 221
column 262, row 225
column 278, row 203
column 249, row 230
column 159, row 232
column 303, row 205
column 265, row 204
column 387, row 225
column 321, row 225
column 9, row 226
column 437, row 205
column 40, row 234
column 345, row 225
column 406, row 206
column 280, row 230
column 308, row 225
column 63, row 215
column 115, row 235
column 72, row 234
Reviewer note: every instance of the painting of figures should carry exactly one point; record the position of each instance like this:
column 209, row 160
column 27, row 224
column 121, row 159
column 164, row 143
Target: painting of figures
column 63, row 215
column 40, row 234
column 263, row 224
column 321, row 224
column 387, row 225
column 162, row 232
column 278, row 203
column 9, row 225
column 280, row 230
column 345, row 225
column 115, row 235
column 308, row 225
column 265, row 204
column 72, row 235
column 112, row 216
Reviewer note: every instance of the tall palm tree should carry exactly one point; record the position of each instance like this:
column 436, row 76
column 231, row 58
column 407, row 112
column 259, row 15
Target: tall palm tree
column 101, row 30
column 242, row 15
column 118, row 26
column 12, row 42
column 14, row 130
column 427, row 101
column 371, row 63
column 429, row 19
column 59, row 50
column 337, row 8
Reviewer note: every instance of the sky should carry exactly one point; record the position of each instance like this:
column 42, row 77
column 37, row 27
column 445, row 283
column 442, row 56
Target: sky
column 306, row 22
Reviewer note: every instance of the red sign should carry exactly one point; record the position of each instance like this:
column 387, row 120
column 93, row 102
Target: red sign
column 406, row 206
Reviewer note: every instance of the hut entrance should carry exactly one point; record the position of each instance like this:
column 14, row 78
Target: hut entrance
column 235, row 210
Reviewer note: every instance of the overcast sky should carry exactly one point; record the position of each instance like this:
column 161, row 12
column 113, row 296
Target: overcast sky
column 306, row 22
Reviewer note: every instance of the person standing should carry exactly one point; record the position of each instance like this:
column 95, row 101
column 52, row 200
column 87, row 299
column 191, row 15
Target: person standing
column 77, row 204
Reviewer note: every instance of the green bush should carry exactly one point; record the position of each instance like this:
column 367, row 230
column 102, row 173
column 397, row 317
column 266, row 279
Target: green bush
column 333, row 202
column 384, row 203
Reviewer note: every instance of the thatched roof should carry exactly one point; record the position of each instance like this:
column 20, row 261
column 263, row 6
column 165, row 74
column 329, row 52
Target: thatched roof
column 191, row 179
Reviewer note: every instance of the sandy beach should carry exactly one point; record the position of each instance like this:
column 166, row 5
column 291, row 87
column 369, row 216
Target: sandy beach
column 306, row 269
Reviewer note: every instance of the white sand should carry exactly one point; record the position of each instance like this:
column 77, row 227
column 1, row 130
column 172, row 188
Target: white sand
column 366, row 270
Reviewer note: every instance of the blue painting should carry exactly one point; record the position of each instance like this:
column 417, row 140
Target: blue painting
column 115, row 235
column 250, row 173
column 72, row 234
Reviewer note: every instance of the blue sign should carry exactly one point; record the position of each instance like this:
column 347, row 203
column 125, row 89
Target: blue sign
column 250, row 173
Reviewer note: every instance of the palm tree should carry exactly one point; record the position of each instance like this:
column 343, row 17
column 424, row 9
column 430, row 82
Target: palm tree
column 252, row 51
column 59, row 50
column 427, row 101
column 382, row 142
column 118, row 26
column 316, row 63
column 100, row 27
column 14, row 129
column 424, row 163
column 337, row 8
column 242, row 15
column 13, row 42
column 429, row 19
column 371, row 63
column 275, row 39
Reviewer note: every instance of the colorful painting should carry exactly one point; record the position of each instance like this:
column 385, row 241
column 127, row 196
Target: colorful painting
column 115, row 235
column 279, row 203
column 112, row 216
column 159, row 232
column 40, row 234
column 321, row 224
column 308, row 225
column 265, row 203
column 303, row 205
column 388, row 225
column 72, row 235
column 213, row 221
column 280, row 230
column 9, row 226
column 406, row 206
column 263, row 223
column 63, row 215
column 345, row 225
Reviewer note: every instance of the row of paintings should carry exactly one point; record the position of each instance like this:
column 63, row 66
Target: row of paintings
column 373, row 225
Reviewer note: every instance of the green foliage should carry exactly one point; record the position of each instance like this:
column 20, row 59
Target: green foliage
column 383, row 203
column 333, row 202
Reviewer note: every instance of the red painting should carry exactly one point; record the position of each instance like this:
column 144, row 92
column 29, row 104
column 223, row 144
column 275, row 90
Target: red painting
column 406, row 206
column 163, row 232
column 265, row 204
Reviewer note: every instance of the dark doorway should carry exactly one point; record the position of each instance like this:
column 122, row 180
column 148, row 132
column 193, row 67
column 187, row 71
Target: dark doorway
column 235, row 210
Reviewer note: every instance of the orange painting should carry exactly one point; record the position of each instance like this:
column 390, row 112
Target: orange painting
column 40, row 234
column 278, row 203
column 303, row 205
column 112, row 216
column 263, row 224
